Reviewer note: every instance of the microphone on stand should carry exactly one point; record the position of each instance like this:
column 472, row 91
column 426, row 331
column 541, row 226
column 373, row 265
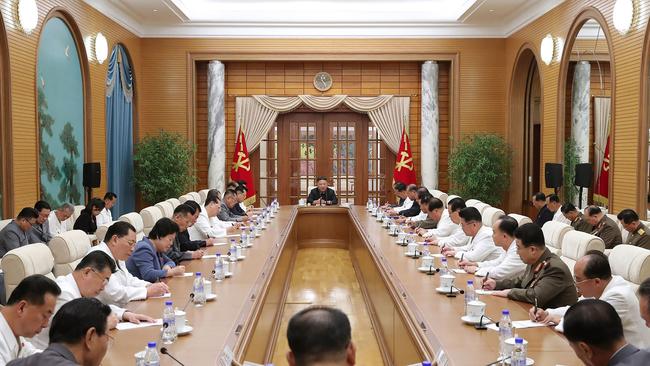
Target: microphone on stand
column 322, row 198
column 188, row 301
column 432, row 270
column 451, row 291
column 500, row 360
column 164, row 351
column 482, row 326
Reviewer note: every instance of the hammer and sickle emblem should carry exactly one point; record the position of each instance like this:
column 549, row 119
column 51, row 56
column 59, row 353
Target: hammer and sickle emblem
column 242, row 162
column 606, row 164
column 405, row 162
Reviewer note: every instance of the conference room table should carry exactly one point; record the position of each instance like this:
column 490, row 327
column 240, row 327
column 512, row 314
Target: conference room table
column 411, row 320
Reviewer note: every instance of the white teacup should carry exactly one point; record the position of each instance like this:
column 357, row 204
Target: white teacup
column 393, row 227
column 446, row 281
column 475, row 309
column 401, row 236
column 427, row 261
column 510, row 345
column 207, row 286
column 412, row 247
column 180, row 319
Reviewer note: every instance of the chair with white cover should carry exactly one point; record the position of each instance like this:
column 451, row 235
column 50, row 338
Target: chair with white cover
column 174, row 202
column 166, row 208
column 101, row 231
column 472, row 202
column 203, row 194
column 4, row 223
column 521, row 219
column 150, row 215
column 186, row 197
column 630, row 262
column 481, row 206
column 134, row 219
column 26, row 261
column 451, row 197
column 67, row 249
column 440, row 195
column 491, row 215
column 576, row 243
column 554, row 232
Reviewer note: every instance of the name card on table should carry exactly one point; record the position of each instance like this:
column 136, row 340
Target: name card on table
column 128, row 325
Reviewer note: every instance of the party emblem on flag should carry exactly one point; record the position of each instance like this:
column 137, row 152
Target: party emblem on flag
column 404, row 169
column 241, row 167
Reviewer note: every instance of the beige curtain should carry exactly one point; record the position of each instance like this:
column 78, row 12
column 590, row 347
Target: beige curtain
column 602, row 113
column 390, row 119
column 254, row 119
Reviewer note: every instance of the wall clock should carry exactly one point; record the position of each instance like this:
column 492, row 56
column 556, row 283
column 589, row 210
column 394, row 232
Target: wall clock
column 322, row 81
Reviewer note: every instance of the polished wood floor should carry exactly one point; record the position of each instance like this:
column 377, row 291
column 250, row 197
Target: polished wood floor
column 325, row 276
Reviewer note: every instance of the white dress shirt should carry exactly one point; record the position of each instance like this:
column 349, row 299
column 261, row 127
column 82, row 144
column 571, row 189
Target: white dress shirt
column 419, row 217
column 456, row 239
column 69, row 291
column 508, row 265
column 621, row 296
column 9, row 348
column 405, row 205
column 56, row 226
column 558, row 216
column 243, row 206
column 444, row 228
column 480, row 248
column 205, row 227
column 104, row 217
column 123, row 286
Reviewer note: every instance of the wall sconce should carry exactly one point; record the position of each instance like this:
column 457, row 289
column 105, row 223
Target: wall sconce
column 547, row 49
column 623, row 16
column 27, row 15
column 101, row 48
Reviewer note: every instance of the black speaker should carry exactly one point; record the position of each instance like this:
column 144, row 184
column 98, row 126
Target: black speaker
column 553, row 175
column 92, row 175
column 584, row 175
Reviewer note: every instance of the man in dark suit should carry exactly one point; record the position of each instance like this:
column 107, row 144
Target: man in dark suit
column 595, row 332
column 17, row 232
column 322, row 195
column 544, row 215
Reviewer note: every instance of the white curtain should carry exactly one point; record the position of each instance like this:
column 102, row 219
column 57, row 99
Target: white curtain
column 256, row 114
column 602, row 111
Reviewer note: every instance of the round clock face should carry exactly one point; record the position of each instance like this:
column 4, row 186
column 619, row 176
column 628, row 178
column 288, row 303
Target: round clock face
column 322, row 81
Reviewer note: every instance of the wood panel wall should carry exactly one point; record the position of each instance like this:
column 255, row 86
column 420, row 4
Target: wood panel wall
column 22, row 63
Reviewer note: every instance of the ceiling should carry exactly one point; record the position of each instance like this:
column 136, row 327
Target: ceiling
column 324, row 18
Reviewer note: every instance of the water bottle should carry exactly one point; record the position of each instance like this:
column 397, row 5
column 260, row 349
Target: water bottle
column 518, row 353
column 233, row 251
column 470, row 294
column 505, row 332
column 169, row 318
column 151, row 357
column 445, row 269
column 219, row 273
column 243, row 238
column 199, row 290
column 368, row 204
column 425, row 249
column 242, row 250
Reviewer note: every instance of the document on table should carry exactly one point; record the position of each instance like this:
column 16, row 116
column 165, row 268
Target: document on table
column 437, row 255
column 169, row 294
column 186, row 274
column 458, row 270
column 209, row 256
column 520, row 324
column 127, row 325
column 484, row 292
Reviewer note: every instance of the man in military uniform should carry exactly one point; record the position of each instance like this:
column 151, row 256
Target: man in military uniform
column 638, row 232
column 578, row 221
column 546, row 282
column 604, row 227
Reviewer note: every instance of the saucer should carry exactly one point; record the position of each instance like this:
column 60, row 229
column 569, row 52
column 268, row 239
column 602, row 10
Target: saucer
column 210, row 297
column 228, row 274
column 409, row 254
column 529, row 361
column 241, row 257
column 426, row 269
column 468, row 320
column 187, row 330
column 258, row 235
column 399, row 242
column 443, row 290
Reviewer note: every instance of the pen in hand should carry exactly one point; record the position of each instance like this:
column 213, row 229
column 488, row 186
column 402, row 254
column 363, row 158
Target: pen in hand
column 487, row 276
column 535, row 309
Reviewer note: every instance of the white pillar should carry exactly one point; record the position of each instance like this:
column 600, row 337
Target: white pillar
column 216, row 126
column 580, row 100
column 430, row 124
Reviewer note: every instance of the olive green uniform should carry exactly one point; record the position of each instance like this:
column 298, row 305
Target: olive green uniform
column 607, row 230
column 549, row 280
column 581, row 224
column 639, row 237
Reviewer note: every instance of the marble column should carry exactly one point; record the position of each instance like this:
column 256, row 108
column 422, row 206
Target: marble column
column 430, row 123
column 216, row 126
column 580, row 100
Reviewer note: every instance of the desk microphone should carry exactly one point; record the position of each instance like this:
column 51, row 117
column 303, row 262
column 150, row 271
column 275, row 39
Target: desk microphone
column 322, row 198
column 500, row 360
column 432, row 270
column 482, row 326
column 164, row 351
column 451, row 291
column 188, row 301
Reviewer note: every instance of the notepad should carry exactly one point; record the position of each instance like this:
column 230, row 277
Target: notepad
column 169, row 294
column 186, row 274
column 484, row 292
column 458, row 270
column 437, row 255
column 209, row 256
column 127, row 325
column 522, row 324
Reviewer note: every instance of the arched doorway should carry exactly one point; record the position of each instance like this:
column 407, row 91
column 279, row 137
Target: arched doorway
column 525, row 130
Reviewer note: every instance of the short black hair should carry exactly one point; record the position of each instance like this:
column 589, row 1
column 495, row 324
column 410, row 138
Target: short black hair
column 568, row 207
column 42, row 205
column 539, row 196
column 579, row 324
column 553, row 198
column 508, row 225
column 184, row 209
column 644, row 290
column 229, row 193
column 412, row 188
column 456, row 204
column 322, row 177
column 240, row 189
column 319, row 333
column 399, row 186
column 597, row 266
column 422, row 191
column 214, row 196
column 435, row 203
column 119, row 228
column 425, row 198
column 27, row 213
column 110, row 196
column 231, row 184
column 76, row 317
column 470, row 214
column 95, row 202
column 593, row 210
column 628, row 216
column 162, row 228
column 195, row 205
column 241, row 182
column 530, row 234
column 98, row 261
column 33, row 289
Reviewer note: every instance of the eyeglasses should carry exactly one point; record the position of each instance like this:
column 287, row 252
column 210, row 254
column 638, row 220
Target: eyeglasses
column 130, row 242
column 576, row 282
column 100, row 276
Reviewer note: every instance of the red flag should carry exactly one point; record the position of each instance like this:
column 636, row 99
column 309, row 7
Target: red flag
column 241, row 167
column 602, row 184
column 404, row 169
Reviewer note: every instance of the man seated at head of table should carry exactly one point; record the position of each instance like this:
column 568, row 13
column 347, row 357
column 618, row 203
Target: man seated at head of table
column 149, row 261
column 17, row 233
column 87, row 281
column 593, row 278
column 320, row 335
column 509, row 264
column 123, row 286
column 546, row 282
column 481, row 246
column 603, row 227
column 410, row 206
column 183, row 216
column 576, row 218
column 208, row 225
column 322, row 195
column 457, row 238
column 78, row 336
column 595, row 333
column 27, row 312
column 638, row 232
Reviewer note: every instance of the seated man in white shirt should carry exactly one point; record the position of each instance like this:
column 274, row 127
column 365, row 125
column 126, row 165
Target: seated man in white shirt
column 644, row 301
column 87, row 280
column 481, row 246
column 593, row 277
column 444, row 226
column 411, row 196
column 105, row 216
column 28, row 312
column 57, row 219
column 123, row 286
column 208, row 224
column 457, row 236
column 509, row 264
